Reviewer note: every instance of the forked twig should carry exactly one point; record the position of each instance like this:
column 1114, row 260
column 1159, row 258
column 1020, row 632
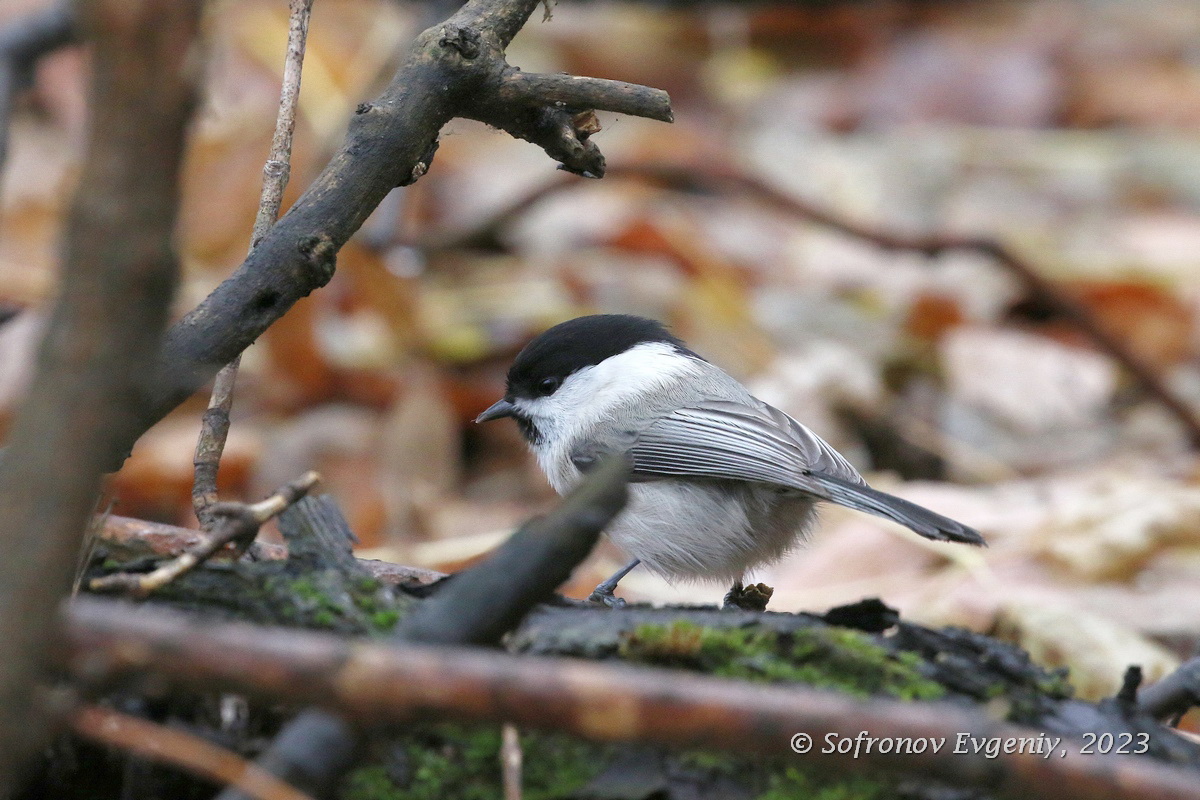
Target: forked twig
column 235, row 522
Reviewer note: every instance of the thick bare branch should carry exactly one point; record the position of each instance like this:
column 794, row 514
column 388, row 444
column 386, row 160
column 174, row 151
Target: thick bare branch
column 94, row 365
column 372, row 682
column 22, row 43
column 503, row 19
column 391, row 142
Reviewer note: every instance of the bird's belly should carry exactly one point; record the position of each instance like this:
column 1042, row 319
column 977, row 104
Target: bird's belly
column 712, row 531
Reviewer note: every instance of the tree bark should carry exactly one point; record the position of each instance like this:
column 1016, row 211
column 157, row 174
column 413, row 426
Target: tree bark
column 91, row 385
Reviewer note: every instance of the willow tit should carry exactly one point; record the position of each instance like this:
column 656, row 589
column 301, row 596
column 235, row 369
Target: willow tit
column 722, row 482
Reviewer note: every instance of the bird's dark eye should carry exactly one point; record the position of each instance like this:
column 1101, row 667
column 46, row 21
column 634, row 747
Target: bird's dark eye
column 547, row 386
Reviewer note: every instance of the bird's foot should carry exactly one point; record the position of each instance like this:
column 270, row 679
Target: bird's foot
column 606, row 598
column 748, row 598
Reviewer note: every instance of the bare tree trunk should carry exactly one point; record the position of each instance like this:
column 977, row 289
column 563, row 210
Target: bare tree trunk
column 91, row 386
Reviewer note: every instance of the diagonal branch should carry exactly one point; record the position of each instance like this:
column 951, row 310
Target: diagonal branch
column 452, row 71
column 119, row 276
column 477, row 606
column 502, row 18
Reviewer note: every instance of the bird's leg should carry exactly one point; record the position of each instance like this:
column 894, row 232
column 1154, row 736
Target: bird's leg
column 603, row 593
column 733, row 594
column 747, row 598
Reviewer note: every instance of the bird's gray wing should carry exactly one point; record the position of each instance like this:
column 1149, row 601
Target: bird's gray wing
column 727, row 440
column 724, row 439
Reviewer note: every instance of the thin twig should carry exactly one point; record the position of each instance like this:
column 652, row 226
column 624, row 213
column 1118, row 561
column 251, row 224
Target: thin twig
column 235, row 522
column 707, row 178
column 510, row 761
column 214, row 428
column 173, row 746
column 160, row 539
column 372, row 682
column 22, row 43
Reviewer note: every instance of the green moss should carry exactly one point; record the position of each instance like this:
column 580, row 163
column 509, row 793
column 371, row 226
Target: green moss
column 384, row 620
column 367, row 585
column 1057, row 683
column 371, row 783
column 833, row 658
column 444, row 761
column 463, row 762
column 370, row 598
column 315, row 603
column 324, row 601
column 710, row 762
column 791, row 783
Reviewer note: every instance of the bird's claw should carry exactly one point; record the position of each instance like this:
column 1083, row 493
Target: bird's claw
column 749, row 598
column 602, row 598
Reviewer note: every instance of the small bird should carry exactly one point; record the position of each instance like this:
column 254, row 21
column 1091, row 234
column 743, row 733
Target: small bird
column 721, row 481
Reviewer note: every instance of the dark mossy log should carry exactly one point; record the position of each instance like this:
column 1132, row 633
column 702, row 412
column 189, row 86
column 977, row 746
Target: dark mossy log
column 632, row 708
column 862, row 650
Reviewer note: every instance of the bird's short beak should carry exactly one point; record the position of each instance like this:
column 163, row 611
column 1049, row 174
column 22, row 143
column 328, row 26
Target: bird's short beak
column 498, row 410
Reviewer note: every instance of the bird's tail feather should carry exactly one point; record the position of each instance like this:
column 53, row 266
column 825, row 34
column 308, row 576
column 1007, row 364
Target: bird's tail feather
column 912, row 516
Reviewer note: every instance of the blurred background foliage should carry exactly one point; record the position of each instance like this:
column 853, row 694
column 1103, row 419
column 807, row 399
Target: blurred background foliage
column 1067, row 129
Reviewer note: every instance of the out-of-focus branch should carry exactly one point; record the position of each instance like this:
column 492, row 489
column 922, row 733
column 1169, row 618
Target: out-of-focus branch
column 214, row 427
column 710, row 179
column 477, row 606
column 373, row 683
column 236, row 522
column 22, row 43
column 453, row 70
column 1175, row 694
column 95, row 364
column 143, row 738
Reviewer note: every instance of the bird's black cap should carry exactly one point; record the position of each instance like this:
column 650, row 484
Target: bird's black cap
column 583, row 342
